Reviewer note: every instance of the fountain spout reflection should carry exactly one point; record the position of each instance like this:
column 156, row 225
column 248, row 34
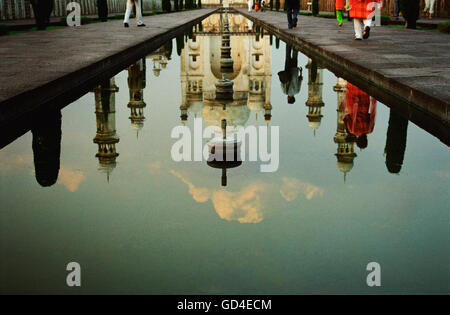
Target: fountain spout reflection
column 225, row 74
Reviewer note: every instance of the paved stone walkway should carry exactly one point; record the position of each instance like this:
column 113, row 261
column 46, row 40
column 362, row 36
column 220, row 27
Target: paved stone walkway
column 413, row 65
column 38, row 67
column 53, row 20
column 422, row 20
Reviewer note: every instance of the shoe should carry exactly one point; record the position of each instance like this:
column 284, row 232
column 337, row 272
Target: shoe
column 295, row 22
column 357, row 38
column 141, row 25
column 126, row 25
column 290, row 27
column 366, row 32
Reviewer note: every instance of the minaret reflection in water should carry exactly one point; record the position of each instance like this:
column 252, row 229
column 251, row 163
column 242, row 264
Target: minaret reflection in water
column 106, row 137
column 345, row 141
column 314, row 102
column 136, row 86
column 225, row 74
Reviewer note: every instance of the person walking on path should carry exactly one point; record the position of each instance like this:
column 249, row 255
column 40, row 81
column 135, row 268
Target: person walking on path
column 361, row 11
column 292, row 7
column 429, row 7
column 42, row 10
column 291, row 77
column 126, row 20
column 340, row 7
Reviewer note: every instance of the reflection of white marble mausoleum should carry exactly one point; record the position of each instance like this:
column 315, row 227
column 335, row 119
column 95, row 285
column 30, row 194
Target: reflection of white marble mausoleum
column 200, row 70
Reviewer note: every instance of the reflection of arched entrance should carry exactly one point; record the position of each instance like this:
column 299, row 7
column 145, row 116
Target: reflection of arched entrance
column 215, row 57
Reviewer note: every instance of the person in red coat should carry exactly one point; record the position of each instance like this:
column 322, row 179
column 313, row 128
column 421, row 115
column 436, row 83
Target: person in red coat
column 362, row 11
column 359, row 111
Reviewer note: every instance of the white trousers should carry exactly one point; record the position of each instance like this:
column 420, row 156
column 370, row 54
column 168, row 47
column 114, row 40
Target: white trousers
column 429, row 6
column 359, row 26
column 130, row 8
column 250, row 4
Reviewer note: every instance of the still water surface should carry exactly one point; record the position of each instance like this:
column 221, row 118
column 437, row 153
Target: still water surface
column 140, row 222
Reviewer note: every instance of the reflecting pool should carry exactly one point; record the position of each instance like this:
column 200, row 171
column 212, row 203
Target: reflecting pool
column 95, row 182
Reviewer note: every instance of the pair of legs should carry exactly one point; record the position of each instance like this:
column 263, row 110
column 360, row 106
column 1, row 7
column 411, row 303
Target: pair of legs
column 340, row 17
column 429, row 7
column 250, row 5
column 42, row 10
column 102, row 6
column 292, row 17
column 340, row 8
column 396, row 8
column 361, row 25
column 138, row 13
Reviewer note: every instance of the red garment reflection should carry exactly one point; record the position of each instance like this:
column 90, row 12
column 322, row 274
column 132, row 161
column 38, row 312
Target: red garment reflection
column 359, row 110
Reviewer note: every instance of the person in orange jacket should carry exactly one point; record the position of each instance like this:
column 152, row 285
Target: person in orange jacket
column 359, row 111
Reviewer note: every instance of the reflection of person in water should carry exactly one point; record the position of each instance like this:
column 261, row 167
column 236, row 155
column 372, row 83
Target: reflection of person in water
column 359, row 110
column 291, row 77
column 180, row 43
column 47, row 147
column 395, row 142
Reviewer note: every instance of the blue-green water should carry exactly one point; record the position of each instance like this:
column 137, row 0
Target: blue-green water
column 160, row 226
